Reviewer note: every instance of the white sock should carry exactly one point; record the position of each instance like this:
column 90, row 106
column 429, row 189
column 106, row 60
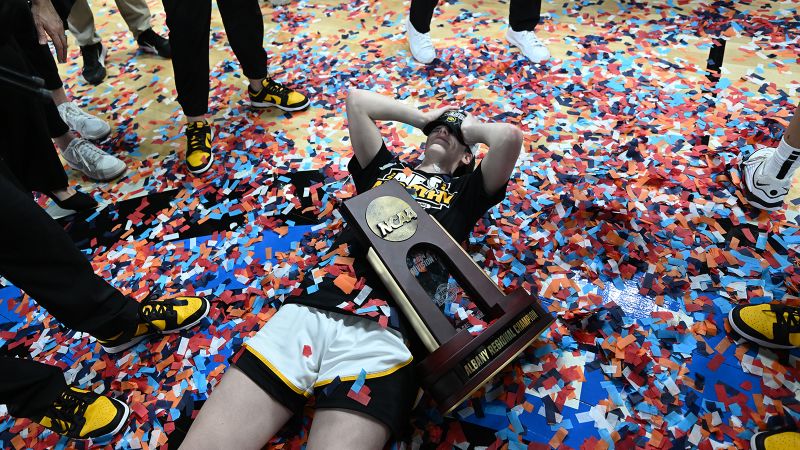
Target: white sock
column 783, row 162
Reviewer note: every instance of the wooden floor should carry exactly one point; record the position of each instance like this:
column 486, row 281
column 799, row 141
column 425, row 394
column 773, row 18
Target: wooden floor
column 632, row 231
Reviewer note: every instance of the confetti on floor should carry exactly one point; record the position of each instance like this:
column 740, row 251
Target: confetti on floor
column 624, row 215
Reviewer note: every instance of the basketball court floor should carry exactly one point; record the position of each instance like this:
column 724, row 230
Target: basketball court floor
column 624, row 214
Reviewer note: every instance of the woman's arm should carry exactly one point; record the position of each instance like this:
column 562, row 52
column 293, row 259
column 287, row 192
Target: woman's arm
column 364, row 108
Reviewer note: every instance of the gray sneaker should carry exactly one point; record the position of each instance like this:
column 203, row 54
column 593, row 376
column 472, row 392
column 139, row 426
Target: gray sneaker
column 89, row 126
column 94, row 163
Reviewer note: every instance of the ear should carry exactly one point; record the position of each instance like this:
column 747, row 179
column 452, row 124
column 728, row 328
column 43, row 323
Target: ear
column 467, row 158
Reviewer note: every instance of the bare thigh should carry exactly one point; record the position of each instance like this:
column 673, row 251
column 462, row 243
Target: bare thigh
column 334, row 429
column 237, row 415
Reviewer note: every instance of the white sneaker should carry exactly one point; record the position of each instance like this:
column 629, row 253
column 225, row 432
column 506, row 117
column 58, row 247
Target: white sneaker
column 89, row 126
column 421, row 44
column 761, row 190
column 94, row 163
column 529, row 45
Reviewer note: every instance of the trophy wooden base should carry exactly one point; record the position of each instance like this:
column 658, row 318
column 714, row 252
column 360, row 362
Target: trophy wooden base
column 459, row 367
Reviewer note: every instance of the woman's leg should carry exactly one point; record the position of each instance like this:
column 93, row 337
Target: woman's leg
column 244, row 25
column 363, row 432
column 239, row 414
column 189, row 23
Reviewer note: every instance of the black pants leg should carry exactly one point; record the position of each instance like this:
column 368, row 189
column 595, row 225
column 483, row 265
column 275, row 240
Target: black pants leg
column 24, row 142
column 524, row 15
column 189, row 23
column 422, row 13
column 28, row 387
column 244, row 24
column 40, row 258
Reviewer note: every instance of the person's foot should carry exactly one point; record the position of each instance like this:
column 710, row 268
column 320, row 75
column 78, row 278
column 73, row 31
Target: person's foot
column 421, row 44
column 82, row 414
column 89, row 126
column 762, row 190
column 151, row 42
column 72, row 199
column 162, row 316
column 96, row 164
column 199, row 154
column 94, row 63
column 768, row 325
column 273, row 93
column 529, row 45
column 775, row 440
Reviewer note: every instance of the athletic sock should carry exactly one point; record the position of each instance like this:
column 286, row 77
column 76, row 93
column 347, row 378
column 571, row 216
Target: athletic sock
column 783, row 162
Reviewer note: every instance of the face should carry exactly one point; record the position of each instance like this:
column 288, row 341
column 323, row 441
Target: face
column 444, row 147
column 446, row 141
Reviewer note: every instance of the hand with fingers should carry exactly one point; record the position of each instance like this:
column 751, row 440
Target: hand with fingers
column 468, row 125
column 434, row 114
column 48, row 23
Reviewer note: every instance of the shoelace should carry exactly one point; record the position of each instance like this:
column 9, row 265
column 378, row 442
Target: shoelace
column 787, row 318
column 73, row 113
column 161, row 310
column 532, row 39
column 197, row 138
column 276, row 89
column 67, row 413
column 88, row 153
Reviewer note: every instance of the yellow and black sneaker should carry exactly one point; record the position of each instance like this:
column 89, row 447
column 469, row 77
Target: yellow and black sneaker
column 773, row 326
column 775, row 440
column 160, row 316
column 82, row 414
column 199, row 155
column 276, row 94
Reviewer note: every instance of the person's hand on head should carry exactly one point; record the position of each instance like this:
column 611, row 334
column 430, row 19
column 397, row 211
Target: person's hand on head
column 468, row 128
column 434, row 114
column 48, row 23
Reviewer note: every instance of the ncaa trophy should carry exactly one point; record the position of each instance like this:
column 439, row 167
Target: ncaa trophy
column 393, row 225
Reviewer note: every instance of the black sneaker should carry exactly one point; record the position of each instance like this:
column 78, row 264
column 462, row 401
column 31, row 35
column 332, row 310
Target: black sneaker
column 94, row 60
column 160, row 316
column 276, row 94
column 82, row 414
column 199, row 154
column 150, row 42
column 79, row 201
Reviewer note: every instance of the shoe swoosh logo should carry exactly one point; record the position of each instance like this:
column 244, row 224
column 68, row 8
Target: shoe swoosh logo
column 273, row 98
column 765, row 186
column 208, row 141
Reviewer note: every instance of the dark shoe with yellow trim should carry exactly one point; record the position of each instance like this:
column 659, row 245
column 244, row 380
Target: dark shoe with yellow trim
column 276, row 94
column 199, row 154
column 161, row 316
column 775, row 440
column 773, row 326
column 82, row 414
